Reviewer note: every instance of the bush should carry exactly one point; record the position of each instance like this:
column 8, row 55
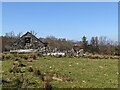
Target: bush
column 3, row 57
column 39, row 55
column 58, row 56
column 30, row 69
column 23, row 56
column 16, row 70
column 34, row 56
column 7, row 56
column 114, row 57
column 10, row 70
column 21, row 65
column 37, row 72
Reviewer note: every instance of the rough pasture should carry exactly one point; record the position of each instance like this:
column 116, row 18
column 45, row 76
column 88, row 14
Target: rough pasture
column 65, row 72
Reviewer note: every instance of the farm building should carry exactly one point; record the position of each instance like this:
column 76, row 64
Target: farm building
column 28, row 42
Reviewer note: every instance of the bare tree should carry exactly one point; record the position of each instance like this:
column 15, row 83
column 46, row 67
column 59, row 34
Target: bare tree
column 33, row 32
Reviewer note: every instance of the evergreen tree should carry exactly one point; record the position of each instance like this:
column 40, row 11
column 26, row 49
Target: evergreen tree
column 84, row 43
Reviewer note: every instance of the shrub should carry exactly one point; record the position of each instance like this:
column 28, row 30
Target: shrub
column 17, row 59
column 2, row 55
column 47, row 85
column 30, row 69
column 21, row 65
column 114, row 57
column 58, row 56
column 34, row 56
column 10, row 70
column 18, row 82
column 39, row 55
column 22, row 70
column 4, row 81
column 16, row 63
column 25, row 83
column 7, row 56
column 16, row 70
column 23, row 56
column 37, row 72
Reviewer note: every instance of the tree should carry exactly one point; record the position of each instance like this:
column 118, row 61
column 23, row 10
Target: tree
column 8, row 39
column 106, row 46
column 33, row 32
column 60, row 43
column 102, row 40
column 84, row 43
column 19, row 34
column 94, row 45
column 117, row 50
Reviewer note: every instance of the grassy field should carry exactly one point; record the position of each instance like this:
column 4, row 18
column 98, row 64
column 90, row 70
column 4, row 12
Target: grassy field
column 70, row 72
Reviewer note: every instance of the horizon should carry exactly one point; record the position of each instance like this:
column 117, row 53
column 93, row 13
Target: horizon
column 66, row 20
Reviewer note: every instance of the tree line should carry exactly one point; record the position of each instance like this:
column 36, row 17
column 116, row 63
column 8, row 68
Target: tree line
column 97, row 45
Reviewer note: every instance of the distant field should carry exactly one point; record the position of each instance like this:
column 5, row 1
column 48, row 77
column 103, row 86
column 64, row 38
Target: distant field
column 77, row 72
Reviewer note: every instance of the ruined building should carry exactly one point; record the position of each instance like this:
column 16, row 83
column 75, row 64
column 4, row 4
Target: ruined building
column 28, row 41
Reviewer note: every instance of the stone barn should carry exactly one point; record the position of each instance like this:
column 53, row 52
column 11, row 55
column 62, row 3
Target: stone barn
column 28, row 41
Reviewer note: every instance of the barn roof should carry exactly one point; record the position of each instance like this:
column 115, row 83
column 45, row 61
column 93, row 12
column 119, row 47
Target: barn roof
column 29, row 34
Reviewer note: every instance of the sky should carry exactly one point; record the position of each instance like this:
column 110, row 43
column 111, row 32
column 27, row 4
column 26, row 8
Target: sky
column 70, row 20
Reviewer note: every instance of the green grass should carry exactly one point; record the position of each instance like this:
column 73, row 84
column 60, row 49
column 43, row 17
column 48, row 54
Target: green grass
column 84, row 73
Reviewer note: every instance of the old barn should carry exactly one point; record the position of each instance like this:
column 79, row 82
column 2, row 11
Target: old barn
column 28, row 42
